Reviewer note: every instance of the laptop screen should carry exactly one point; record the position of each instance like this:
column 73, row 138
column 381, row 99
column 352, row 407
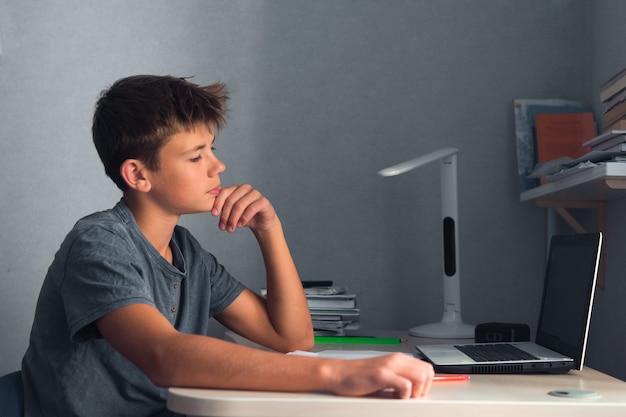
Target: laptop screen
column 569, row 287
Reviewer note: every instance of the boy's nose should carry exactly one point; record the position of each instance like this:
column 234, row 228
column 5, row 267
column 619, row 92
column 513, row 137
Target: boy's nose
column 218, row 168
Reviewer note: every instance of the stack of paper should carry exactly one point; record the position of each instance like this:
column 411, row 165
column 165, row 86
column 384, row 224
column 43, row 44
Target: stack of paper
column 333, row 309
column 611, row 141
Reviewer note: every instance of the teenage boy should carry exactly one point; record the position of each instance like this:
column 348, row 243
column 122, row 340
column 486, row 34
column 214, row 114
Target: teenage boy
column 124, row 309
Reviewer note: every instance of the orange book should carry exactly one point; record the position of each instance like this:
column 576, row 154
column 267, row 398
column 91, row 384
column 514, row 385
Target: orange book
column 562, row 135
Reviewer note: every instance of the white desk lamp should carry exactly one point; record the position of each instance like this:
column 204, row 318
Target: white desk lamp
column 451, row 325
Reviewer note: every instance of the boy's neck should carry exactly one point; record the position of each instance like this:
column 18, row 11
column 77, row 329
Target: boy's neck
column 156, row 226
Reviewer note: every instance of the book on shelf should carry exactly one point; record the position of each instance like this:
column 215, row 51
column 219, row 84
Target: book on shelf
column 606, row 147
column 613, row 85
column 619, row 124
column 614, row 114
column 620, row 147
column 563, row 134
column 524, row 112
column 607, row 140
column 617, row 98
column 613, row 97
column 563, row 167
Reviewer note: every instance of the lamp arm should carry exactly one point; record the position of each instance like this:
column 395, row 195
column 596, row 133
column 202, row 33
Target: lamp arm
column 403, row 167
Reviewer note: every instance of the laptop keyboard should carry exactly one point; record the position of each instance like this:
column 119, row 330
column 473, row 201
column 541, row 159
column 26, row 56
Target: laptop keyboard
column 495, row 352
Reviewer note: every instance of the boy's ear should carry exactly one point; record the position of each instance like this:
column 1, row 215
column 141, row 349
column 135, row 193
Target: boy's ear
column 133, row 172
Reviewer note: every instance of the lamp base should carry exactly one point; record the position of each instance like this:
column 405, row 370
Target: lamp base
column 444, row 330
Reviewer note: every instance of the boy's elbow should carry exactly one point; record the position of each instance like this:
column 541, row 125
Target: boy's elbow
column 308, row 345
column 153, row 360
column 309, row 341
column 157, row 366
column 304, row 342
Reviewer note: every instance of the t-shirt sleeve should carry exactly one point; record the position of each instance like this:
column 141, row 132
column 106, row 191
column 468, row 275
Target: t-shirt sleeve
column 205, row 270
column 101, row 275
column 224, row 287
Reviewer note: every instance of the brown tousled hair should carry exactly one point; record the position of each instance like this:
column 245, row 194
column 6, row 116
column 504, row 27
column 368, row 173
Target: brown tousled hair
column 136, row 116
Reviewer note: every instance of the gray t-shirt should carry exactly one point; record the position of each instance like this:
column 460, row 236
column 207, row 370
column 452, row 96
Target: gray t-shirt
column 105, row 263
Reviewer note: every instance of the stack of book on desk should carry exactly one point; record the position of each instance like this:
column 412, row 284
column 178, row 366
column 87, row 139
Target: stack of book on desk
column 333, row 309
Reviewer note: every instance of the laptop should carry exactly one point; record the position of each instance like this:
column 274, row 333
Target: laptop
column 565, row 313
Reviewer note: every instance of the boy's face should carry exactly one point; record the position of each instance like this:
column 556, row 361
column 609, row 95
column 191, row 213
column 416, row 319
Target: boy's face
column 187, row 180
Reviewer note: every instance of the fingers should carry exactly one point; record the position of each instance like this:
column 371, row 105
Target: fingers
column 239, row 205
column 232, row 202
column 423, row 383
column 412, row 378
column 404, row 388
column 405, row 376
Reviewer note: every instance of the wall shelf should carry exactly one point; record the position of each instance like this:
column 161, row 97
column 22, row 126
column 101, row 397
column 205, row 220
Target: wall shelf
column 603, row 182
column 588, row 189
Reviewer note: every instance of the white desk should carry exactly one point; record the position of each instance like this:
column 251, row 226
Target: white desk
column 483, row 395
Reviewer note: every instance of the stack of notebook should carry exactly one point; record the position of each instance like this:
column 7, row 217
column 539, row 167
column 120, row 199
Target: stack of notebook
column 333, row 309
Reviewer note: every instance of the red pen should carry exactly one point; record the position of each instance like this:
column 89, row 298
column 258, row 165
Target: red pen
column 451, row 377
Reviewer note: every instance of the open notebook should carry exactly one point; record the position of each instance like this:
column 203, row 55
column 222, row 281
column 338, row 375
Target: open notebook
column 564, row 317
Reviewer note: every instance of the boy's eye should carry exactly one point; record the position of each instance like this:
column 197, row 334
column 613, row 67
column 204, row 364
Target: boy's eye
column 196, row 159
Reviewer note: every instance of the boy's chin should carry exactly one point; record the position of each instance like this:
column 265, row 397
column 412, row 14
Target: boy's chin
column 199, row 209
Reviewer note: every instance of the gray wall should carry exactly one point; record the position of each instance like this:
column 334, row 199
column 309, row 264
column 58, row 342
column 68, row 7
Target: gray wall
column 324, row 94
column 607, row 336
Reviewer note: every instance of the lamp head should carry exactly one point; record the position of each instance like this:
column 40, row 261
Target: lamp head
column 417, row 162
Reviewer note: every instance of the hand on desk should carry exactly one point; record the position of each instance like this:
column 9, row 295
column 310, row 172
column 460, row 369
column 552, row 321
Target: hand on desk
column 406, row 376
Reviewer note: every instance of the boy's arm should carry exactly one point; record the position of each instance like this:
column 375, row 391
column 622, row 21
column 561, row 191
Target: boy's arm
column 282, row 320
column 170, row 358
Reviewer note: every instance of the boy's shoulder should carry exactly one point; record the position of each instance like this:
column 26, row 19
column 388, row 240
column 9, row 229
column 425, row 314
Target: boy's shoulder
column 118, row 223
column 109, row 216
column 117, row 220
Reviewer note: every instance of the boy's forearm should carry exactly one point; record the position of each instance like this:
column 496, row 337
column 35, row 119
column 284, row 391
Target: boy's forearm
column 219, row 364
column 286, row 303
column 213, row 363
